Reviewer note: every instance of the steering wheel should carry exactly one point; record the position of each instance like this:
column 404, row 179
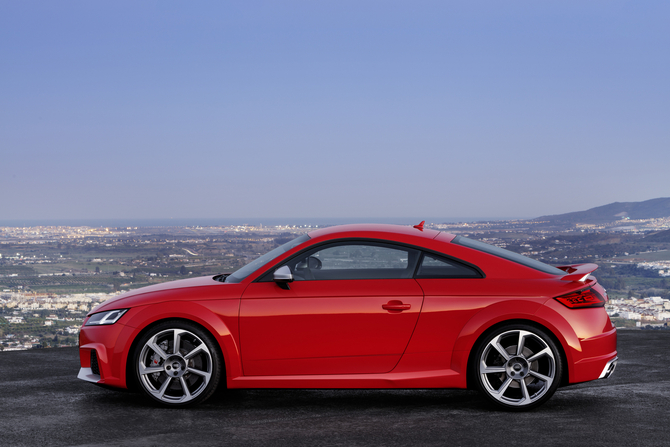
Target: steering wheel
column 314, row 263
column 303, row 268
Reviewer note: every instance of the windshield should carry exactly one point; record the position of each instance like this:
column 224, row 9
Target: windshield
column 257, row 263
column 506, row 254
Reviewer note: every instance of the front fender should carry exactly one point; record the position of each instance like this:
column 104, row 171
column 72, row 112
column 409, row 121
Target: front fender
column 218, row 317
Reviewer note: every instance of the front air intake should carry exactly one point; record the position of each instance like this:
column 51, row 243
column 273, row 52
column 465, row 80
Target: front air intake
column 95, row 368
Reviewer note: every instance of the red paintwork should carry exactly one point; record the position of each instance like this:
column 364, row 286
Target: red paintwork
column 336, row 334
column 326, row 327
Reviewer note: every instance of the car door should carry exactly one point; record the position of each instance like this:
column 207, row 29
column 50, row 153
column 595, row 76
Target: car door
column 351, row 309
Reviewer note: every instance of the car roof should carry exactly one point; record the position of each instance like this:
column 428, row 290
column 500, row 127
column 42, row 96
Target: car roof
column 385, row 231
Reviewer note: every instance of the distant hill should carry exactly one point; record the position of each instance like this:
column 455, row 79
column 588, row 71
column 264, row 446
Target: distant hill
column 661, row 236
column 614, row 211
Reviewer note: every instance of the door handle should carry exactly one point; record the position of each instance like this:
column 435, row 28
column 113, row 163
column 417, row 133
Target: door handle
column 396, row 306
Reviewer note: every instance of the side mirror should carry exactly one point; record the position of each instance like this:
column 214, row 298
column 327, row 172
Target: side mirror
column 282, row 276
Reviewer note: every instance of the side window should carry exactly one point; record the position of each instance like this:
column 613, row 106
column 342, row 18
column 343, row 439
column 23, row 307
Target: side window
column 433, row 266
column 355, row 261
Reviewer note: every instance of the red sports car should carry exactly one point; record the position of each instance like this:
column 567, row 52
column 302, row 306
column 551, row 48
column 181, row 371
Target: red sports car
column 360, row 306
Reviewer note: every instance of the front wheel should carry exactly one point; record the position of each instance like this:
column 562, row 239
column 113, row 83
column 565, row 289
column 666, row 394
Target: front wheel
column 517, row 367
column 177, row 364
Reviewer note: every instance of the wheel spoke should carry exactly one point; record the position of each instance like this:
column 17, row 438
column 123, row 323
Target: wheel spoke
column 161, row 391
column 176, row 341
column 499, row 393
column 200, row 348
column 157, row 349
column 546, row 351
column 496, row 344
column 484, row 369
column 204, row 374
column 524, row 390
column 542, row 377
column 184, row 386
column 150, row 369
column 521, row 342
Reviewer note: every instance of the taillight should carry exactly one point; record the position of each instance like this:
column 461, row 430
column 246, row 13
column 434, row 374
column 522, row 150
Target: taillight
column 582, row 299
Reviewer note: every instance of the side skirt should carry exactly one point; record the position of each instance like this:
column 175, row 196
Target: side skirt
column 422, row 379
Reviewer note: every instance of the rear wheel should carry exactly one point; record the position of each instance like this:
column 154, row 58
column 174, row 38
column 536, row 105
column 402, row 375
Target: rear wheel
column 517, row 367
column 177, row 364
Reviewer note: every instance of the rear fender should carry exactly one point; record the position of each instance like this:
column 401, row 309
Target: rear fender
column 513, row 311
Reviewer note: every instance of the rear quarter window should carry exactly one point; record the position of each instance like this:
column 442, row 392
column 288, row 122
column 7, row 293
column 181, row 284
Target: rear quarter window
column 433, row 266
column 506, row 254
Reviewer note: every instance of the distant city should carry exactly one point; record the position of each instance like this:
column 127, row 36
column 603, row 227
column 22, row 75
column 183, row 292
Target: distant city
column 230, row 222
column 51, row 276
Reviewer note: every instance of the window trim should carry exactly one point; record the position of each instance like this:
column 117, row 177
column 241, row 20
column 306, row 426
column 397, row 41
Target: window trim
column 449, row 258
column 267, row 276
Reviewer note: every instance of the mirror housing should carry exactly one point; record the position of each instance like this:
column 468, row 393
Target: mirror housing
column 282, row 276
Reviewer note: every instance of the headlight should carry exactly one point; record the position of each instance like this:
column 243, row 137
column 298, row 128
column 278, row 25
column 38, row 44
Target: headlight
column 108, row 317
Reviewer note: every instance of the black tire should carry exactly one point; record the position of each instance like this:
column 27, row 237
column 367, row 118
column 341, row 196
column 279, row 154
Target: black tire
column 513, row 379
column 192, row 372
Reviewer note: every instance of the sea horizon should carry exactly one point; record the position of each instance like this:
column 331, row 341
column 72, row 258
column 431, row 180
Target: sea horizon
column 233, row 221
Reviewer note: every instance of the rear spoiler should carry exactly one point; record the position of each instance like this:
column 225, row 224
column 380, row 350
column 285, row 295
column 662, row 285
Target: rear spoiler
column 577, row 272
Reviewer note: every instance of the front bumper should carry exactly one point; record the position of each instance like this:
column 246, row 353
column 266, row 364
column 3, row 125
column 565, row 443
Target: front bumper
column 102, row 354
column 88, row 375
column 92, row 372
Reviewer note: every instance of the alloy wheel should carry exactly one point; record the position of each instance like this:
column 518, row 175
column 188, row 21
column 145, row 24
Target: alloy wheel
column 518, row 368
column 175, row 366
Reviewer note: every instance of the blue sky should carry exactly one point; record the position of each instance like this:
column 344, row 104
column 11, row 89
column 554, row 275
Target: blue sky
column 365, row 109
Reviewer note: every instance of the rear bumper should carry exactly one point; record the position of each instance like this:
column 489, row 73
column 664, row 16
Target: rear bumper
column 588, row 337
column 598, row 358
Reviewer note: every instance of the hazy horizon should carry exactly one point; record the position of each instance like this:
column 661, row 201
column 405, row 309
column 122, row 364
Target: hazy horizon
column 348, row 108
column 231, row 221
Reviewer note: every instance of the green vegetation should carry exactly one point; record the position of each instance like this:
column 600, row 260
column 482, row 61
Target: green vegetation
column 662, row 255
column 620, row 322
column 17, row 270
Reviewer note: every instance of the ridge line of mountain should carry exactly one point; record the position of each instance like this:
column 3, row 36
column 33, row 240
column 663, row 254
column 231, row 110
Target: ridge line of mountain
column 648, row 209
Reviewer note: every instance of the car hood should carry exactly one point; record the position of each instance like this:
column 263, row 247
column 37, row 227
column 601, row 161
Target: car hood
column 131, row 298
